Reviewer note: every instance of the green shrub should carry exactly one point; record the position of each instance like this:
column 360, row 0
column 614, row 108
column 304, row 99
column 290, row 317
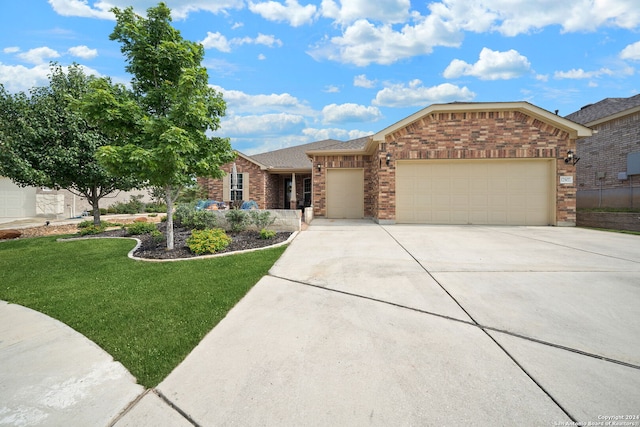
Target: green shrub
column 157, row 236
column 103, row 211
column 104, row 224
column 140, row 228
column 183, row 214
column 92, row 229
column 203, row 219
column 267, row 234
column 261, row 219
column 207, row 241
column 155, row 207
column 238, row 220
column 187, row 216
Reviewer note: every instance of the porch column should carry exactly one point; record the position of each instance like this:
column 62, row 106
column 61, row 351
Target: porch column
column 293, row 201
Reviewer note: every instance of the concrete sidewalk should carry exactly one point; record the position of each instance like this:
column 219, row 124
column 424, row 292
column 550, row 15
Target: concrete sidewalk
column 361, row 324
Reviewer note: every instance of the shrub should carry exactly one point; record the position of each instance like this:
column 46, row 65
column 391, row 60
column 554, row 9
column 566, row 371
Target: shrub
column 104, row 224
column 103, row 211
column 238, row 220
column 155, row 207
column 140, row 228
column 183, row 214
column 157, row 236
column 206, row 241
column 267, row 234
column 261, row 219
column 187, row 216
column 92, row 229
column 203, row 219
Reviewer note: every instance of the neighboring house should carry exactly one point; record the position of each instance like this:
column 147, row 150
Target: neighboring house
column 608, row 173
column 28, row 202
column 268, row 178
column 460, row 163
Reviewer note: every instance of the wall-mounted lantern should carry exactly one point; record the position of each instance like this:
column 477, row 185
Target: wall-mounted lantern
column 571, row 158
column 388, row 158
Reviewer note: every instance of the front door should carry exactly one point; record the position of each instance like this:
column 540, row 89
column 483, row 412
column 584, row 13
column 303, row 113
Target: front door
column 287, row 193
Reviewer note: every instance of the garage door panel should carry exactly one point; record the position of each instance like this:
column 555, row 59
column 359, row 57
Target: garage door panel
column 345, row 193
column 512, row 192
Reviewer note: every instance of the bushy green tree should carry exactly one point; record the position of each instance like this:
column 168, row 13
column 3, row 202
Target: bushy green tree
column 46, row 142
column 160, row 128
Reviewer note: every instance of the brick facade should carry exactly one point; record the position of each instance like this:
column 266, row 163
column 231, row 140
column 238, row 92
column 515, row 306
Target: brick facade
column 266, row 189
column 489, row 134
column 258, row 180
column 602, row 157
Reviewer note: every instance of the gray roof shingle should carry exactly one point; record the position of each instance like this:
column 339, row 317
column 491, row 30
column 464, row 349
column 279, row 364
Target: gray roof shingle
column 296, row 157
column 292, row 157
column 605, row 108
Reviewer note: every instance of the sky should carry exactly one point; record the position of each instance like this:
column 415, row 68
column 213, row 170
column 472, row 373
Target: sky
column 299, row 71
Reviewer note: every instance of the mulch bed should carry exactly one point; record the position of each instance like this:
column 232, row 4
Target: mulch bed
column 151, row 249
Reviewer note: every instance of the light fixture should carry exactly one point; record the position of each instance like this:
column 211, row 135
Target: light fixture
column 319, row 166
column 388, row 158
column 571, row 158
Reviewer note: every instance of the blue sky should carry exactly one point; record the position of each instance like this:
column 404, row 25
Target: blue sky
column 298, row 71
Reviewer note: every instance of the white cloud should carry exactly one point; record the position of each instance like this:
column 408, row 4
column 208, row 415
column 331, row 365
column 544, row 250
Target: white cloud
column 261, row 57
column 491, row 65
column 11, row 49
column 18, row 78
column 581, row 74
column 83, row 52
column 334, row 133
column 363, row 43
column 82, row 8
column 345, row 113
column 221, row 43
column 291, row 12
column 240, row 102
column 331, row 89
column 632, row 52
column 348, row 11
column 39, row 55
column 513, row 17
column 263, row 39
column 362, row 81
column 415, row 95
column 216, row 41
column 180, row 9
column 262, row 125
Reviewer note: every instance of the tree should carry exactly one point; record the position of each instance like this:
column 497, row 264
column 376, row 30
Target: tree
column 45, row 141
column 159, row 128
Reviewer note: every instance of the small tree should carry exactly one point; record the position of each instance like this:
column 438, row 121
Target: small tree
column 160, row 127
column 45, row 141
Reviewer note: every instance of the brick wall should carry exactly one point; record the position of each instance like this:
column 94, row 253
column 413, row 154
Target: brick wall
column 602, row 157
column 257, row 183
column 344, row 161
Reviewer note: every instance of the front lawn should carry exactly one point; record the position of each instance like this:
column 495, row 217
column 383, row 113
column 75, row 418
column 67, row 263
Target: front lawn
column 147, row 315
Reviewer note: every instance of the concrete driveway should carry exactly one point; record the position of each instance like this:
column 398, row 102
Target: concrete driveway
column 362, row 324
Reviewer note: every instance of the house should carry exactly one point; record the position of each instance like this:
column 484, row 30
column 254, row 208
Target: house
column 505, row 163
column 28, row 202
column 268, row 178
column 608, row 174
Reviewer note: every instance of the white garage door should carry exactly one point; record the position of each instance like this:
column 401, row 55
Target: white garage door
column 345, row 193
column 499, row 192
column 15, row 201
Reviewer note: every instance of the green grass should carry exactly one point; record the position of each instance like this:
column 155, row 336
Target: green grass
column 148, row 316
column 612, row 230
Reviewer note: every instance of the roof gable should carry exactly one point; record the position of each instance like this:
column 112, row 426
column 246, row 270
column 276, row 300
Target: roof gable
column 604, row 110
column 574, row 129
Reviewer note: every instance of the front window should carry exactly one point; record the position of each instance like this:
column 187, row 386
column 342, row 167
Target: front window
column 236, row 195
column 307, row 191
